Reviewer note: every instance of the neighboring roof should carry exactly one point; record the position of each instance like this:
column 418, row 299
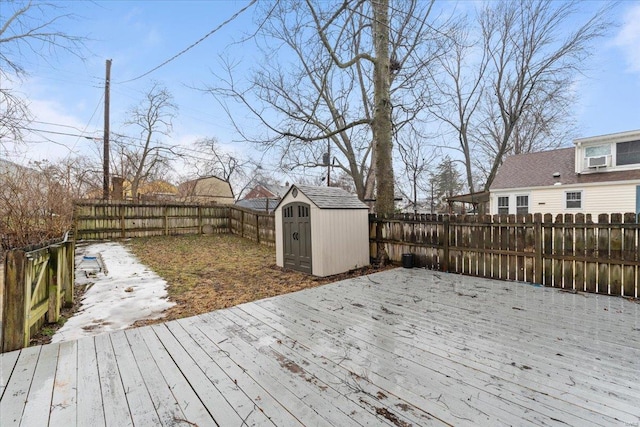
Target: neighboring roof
column 278, row 190
column 537, row 170
column 259, row 204
column 329, row 197
column 208, row 186
column 479, row 197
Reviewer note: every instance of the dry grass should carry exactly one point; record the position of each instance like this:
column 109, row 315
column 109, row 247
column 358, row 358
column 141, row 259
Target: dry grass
column 206, row 273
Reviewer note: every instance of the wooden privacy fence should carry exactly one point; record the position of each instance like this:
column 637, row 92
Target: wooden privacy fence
column 572, row 252
column 121, row 219
column 37, row 282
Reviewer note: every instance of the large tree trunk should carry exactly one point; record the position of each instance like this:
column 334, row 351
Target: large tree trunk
column 382, row 113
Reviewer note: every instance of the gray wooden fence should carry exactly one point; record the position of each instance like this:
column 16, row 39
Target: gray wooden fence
column 103, row 220
column 571, row 252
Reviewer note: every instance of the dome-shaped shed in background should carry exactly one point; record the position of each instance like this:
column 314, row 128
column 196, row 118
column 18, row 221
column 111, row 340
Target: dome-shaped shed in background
column 321, row 231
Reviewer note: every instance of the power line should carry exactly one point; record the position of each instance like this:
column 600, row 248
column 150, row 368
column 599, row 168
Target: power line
column 58, row 133
column 183, row 51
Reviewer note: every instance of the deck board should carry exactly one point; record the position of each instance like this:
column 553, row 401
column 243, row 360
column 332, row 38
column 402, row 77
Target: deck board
column 405, row 347
column 90, row 410
column 15, row 395
column 41, row 388
column 113, row 393
column 141, row 408
column 63, row 402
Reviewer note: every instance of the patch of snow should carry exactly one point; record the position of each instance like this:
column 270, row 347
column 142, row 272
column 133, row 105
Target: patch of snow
column 120, row 291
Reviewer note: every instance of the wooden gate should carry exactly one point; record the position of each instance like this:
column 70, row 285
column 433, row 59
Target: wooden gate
column 37, row 283
column 296, row 228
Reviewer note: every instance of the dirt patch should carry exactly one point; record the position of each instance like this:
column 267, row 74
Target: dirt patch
column 210, row 272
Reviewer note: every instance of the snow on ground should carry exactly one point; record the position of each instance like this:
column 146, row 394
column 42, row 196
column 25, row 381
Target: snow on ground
column 120, row 291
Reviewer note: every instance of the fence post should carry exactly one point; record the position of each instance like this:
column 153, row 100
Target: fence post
column 165, row 219
column 54, row 283
column 241, row 223
column 257, row 228
column 445, row 248
column 378, row 236
column 70, row 254
column 122, row 222
column 14, row 315
column 537, row 235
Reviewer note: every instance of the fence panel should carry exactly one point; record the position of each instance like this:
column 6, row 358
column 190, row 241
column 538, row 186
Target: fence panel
column 568, row 252
column 37, row 283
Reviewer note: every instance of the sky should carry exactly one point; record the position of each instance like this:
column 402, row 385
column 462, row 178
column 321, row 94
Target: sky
column 67, row 94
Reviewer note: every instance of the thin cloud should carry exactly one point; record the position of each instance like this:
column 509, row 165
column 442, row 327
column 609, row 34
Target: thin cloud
column 628, row 38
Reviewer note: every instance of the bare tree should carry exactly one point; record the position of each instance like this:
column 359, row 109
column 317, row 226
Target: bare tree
column 27, row 26
column 339, row 78
column 34, row 205
column 212, row 159
column 416, row 157
column 146, row 156
column 532, row 66
column 459, row 86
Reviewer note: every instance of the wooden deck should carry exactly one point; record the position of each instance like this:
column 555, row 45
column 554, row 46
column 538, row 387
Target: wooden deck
column 401, row 347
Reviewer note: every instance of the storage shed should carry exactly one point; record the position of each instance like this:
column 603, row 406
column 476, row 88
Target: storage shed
column 321, row 231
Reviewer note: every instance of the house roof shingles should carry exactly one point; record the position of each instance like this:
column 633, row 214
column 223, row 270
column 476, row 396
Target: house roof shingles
column 537, row 170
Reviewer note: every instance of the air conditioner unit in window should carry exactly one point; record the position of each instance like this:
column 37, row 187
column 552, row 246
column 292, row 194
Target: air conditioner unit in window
column 597, row 162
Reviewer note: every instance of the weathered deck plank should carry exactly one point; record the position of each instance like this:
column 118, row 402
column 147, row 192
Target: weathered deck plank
column 456, row 374
column 300, row 398
column 15, row 394
column 401, row 347
column 113, row 394
column 141, row 408
column 223, row 413
column 63, row 402
column 193, row 409
column 263, row 401
column 6, row 368
column 41, row 388
column 89, row 397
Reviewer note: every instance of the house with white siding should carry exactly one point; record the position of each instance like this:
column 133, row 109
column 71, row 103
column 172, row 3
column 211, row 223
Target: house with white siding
column 600, row 174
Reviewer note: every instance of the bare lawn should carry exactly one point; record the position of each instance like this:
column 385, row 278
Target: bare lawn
column 210, row 272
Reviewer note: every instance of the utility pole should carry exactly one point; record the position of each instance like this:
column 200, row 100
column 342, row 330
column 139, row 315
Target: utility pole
column 106, row 179
column 329, row 164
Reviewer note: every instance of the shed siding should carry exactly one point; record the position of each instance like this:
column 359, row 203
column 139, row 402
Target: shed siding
column 339, row 237
column 596, row 199
column 340, row 240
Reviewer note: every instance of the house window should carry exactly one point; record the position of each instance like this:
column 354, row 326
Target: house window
column 574, row 199
column 597, row 150
column 627, row 153
column 522, row 205
column 503, row 205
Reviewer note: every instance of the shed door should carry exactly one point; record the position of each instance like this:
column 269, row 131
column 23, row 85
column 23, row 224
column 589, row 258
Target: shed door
column 296, row 226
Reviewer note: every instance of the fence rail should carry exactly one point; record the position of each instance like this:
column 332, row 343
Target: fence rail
column 571, row 252
column 37, row 282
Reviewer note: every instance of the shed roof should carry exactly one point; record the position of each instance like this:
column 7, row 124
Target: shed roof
column 538, row 169
column 329, row 197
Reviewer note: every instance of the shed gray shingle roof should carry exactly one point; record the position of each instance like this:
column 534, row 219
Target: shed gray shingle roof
column 330, row 197
column 537, row 169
